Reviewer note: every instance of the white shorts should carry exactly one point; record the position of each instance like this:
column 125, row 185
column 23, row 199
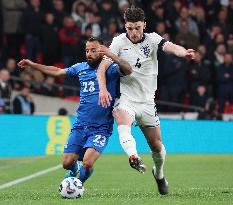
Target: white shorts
column 144, row 113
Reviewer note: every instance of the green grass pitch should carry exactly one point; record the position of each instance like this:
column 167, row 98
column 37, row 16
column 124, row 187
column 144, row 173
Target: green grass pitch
column 193, row 180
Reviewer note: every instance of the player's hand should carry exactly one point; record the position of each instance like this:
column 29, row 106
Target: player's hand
column 190, row 54
column 105, row 98
column 105, row 51
column 25, row 63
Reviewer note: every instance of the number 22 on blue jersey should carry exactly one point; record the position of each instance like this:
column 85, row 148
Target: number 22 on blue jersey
column 88, row 86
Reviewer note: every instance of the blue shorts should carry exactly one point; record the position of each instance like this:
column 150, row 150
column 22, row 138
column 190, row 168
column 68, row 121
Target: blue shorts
column 85, row 137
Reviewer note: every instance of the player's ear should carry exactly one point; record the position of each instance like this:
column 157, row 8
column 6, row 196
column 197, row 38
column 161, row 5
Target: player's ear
column 144, row 25
column 125, row 27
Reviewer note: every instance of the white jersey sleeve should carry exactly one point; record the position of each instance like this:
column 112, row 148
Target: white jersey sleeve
column 156, row 38
column 115, row 45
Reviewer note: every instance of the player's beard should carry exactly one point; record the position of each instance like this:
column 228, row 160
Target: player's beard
column 94, row 62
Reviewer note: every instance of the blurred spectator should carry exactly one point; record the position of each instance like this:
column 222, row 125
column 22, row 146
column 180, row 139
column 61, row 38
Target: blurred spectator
column 199, row 15
column 185, row 37
column 80, row 14
column 12, row 12
column 62, row 111
column 59, row 12
column 199, row 73
column 174, row 81
column 14, row 72
column 5, row 91
column 172, row 13
column 23, row 103
column 160, row 28
column 109, row 33
column 210, row 111
column 69, row 36
column 192, row 25
column 211, row 8
column 155, row 14
column 200, row 97
column 219, row 55
column 48, row 87
column 225, row 81
column 108, row 12
column 32, row 24
column 95, row 23
column 173, row 9
column 26, row 80
column 230, row 11
column 50, row 42
column 209, row 39
column 122, row 5
column 223, row 22
column 230, row 43
column 220, row 38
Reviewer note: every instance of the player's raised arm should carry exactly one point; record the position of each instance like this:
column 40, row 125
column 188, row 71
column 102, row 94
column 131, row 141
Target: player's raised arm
column 49, row 70
column 124, row 66
column 180, row 51
column 104, row 95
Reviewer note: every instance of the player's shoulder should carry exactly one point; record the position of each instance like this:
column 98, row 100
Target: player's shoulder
column 154, row 37
column 113, row 65
column 80, row 66
column 120, row 38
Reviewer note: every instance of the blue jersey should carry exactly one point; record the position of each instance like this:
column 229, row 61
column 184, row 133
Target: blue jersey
column 89, row 113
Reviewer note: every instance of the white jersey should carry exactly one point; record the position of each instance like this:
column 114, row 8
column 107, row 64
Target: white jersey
column 141, row 84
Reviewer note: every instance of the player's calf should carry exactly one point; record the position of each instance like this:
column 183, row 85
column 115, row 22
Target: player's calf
column 74, row 169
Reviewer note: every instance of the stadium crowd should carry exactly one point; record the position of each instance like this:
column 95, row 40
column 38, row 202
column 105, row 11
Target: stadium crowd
column 54, row 32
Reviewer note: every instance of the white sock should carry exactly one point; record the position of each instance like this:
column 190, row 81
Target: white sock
column 127, row 141
column 159, row 159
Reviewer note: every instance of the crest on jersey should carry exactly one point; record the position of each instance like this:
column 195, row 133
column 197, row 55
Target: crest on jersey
column 146, row 50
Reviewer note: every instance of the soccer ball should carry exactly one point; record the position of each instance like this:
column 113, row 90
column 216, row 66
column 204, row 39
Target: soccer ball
column 71, row 188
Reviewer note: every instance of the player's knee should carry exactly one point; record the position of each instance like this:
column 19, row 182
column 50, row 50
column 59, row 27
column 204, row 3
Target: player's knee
column 67, row 163
column 156, row 146
column 87, row 164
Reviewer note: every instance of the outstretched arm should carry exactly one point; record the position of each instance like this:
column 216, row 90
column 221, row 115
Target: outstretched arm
column 50, row 70
column 180, row 51
column 124, row 66
column 104, row 95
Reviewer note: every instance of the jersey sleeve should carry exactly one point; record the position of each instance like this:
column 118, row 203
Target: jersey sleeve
column 158, row 40
column 73, row 70
column 115, row 46
column 113, row 71
column 115, row 49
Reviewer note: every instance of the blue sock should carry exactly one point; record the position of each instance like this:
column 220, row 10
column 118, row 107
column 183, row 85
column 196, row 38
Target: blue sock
column 84, row 175
column 74, row 167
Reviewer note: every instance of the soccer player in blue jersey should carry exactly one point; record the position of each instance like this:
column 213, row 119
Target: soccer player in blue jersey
column 93, row 125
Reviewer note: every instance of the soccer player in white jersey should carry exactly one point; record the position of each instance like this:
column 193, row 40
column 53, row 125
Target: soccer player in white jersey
column 139, row 49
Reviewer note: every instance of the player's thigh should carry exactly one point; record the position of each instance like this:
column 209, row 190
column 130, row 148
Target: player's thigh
column 153, row 137
column 148, row 116
column 123, row 112
column 90, row 156
column 75, row 143
column 98, row 141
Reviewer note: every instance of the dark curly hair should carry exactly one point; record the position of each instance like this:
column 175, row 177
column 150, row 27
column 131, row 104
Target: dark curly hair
column 134, row 14
column 92, row 39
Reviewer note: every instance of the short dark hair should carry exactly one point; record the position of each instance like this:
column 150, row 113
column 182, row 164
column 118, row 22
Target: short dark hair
column 92, row 39
column 134, row 14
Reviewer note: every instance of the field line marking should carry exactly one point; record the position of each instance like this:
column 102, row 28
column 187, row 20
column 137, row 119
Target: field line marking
column 17, row 181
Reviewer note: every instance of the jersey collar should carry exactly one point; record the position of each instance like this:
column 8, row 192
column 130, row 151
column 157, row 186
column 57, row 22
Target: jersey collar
column 142, row 39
